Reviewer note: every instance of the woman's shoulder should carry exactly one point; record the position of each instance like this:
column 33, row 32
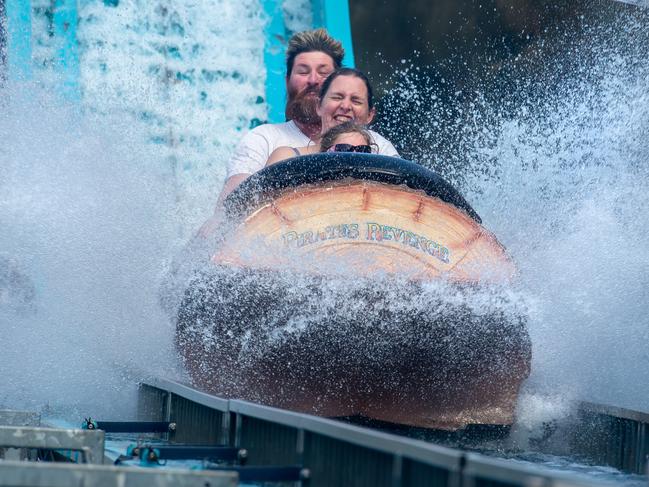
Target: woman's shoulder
column 281, row 153
column 288, row 151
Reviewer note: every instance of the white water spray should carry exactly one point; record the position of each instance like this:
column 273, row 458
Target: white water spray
column 95, row 201
column 569, row 203
column 84, row 218
column 556, row 166
column 88, row 215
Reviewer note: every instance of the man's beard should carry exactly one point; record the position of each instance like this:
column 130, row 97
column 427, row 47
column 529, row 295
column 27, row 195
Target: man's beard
column 301, row 107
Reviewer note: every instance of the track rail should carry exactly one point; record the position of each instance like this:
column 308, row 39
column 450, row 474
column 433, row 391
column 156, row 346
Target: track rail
column 342, row 454
column 260, row 443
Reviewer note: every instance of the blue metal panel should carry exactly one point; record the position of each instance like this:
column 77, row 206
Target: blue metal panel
column 335, row 18
column 274, row 50
column 64, row 22
column 331, row 14
column 19, row 39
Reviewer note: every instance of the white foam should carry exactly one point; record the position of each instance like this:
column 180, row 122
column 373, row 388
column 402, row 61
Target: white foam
column 191, row 77
column 84, row 211
column 558, row 171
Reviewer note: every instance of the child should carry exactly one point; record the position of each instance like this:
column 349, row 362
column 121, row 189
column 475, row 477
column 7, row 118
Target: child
column 347, row 137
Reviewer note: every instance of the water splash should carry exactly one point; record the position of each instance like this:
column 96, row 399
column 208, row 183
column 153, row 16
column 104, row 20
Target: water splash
column 555, row 164
column 85, row 230
column 552, row 153
column 94, row 201
column 430, row 352
column 189, row 76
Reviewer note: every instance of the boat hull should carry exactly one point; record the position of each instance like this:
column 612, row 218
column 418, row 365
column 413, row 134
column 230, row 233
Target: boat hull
column 353, row 292
column 430, row 360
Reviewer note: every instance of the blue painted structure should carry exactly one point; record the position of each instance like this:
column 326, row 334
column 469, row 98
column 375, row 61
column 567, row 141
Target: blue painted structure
column 19, row 44
column 65, row 20
column 3, row 40
column 274, row 49
column 334, row 16
column 330, row 14
column 19, row 39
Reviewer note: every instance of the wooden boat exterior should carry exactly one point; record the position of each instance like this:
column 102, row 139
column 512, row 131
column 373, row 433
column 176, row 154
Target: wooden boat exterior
column 370, row 227
column 358, row 217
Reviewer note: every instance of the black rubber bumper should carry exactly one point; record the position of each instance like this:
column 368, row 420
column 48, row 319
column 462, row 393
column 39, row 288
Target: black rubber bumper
column 323, row 167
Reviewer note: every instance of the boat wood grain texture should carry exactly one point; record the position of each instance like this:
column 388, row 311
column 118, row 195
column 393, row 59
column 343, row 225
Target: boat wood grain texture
column 366, row 227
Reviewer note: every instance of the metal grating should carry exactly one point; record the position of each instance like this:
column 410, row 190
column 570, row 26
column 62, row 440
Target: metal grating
column 268, row 443
column 336, row 453
column 89, row 443
column 417, row 474
column 335, row 462
column 613, row 437
column 151, row 403
column 196, row 423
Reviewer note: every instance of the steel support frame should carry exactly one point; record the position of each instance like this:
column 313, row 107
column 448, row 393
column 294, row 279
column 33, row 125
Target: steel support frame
column 410, row 462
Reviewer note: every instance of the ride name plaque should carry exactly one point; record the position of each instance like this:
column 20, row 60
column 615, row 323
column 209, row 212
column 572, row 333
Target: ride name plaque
column 371, row 232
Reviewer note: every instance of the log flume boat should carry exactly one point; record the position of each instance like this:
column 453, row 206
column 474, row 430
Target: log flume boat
column 357, row 285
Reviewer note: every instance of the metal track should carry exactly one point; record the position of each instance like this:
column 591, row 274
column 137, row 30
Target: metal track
column 235, row 441
column 335, row 453
column 81, row 453
column 608, row 435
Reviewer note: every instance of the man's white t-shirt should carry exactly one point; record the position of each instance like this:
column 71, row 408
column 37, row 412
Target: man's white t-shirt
column 256, row 146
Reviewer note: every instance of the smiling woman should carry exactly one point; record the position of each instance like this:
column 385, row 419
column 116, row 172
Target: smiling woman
column 346, row 96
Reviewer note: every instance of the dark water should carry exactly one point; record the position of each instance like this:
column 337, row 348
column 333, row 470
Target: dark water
column 263, row 335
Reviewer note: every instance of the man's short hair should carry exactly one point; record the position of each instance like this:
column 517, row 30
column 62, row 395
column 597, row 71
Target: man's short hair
column 317, row 40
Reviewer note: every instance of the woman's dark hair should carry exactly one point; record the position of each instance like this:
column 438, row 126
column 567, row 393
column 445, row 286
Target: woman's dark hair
column 348, row 72
column 328, row 140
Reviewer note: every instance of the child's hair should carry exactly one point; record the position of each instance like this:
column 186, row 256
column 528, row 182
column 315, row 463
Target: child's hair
column 329, row 138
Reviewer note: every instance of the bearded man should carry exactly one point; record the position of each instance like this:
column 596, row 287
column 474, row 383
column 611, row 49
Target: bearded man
column 311, row 57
